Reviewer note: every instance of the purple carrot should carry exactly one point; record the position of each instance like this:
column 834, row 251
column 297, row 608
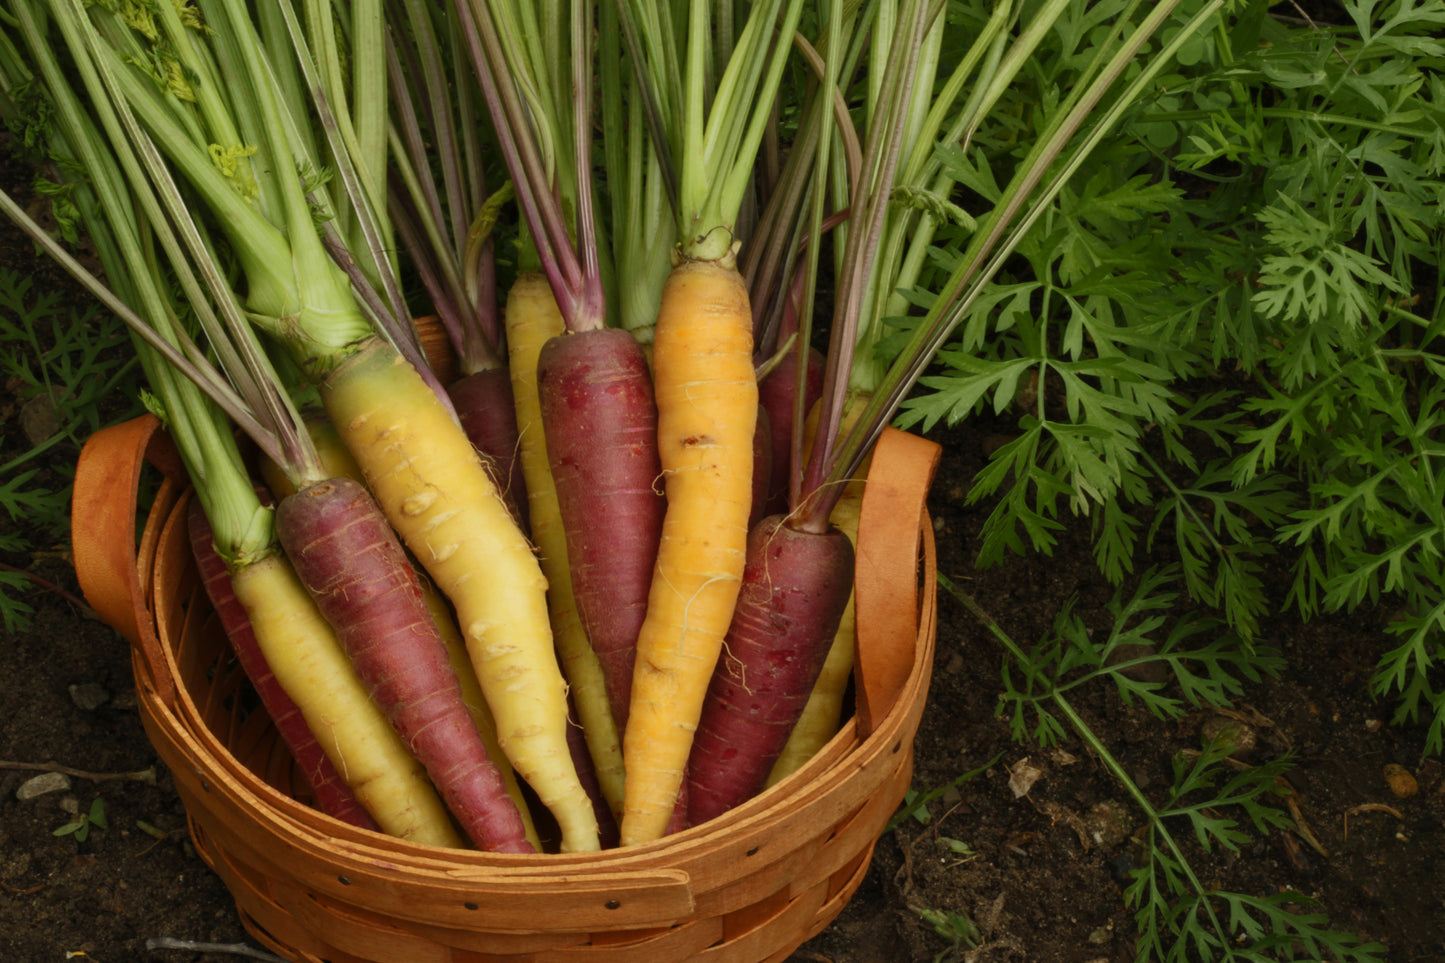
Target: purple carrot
column 330, row 792
column 484, row 406
column 351, row 562
column 601, row 423
column 777, row 392
column 795, row 587
column 762, row 468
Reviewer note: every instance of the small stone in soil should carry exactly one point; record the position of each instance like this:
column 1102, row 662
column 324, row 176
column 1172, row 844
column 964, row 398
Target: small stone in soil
column 46, row 782
column 89, row 696
column 1402, row 783
column 1240, row 736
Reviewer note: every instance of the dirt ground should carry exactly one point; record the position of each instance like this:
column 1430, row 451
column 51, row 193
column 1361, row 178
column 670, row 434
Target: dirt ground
column 1039, row 875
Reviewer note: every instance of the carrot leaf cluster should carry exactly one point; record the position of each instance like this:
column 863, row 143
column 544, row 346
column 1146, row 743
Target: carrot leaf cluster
column 1222, row 341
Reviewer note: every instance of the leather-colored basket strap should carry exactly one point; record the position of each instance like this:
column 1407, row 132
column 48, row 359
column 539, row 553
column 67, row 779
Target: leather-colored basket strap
column 885, row 588
column 103, row 519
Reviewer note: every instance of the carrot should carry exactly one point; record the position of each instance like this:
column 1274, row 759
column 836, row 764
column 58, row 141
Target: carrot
column 302, row 650
column 601, row 428
column 777, row 392
column 763, row 444
column 329, row 791
column 336, row 461
column 823, row 711
column 434, row 489
column 483, row 400
column 711, row 117
column 474, row 701
column 587, row 772
column 533, row 319
column 346, row 554
column 794, row 590
column 707, row 416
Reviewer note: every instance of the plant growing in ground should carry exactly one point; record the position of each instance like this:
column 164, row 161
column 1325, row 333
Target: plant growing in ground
column 64, row 364
column 957, row 928
column 81, row 825
column 915, row 803
column 1225, row 337
column 1178, row 917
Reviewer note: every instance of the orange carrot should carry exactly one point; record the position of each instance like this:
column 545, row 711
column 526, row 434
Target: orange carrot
column 707, row 400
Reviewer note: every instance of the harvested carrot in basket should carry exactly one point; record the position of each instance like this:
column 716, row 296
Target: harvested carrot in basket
column 707, row 401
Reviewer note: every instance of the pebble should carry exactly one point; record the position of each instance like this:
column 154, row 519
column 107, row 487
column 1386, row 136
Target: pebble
column 89, row 696
column 39, row 419
column 42, row 784
column 1109, row 823
column 1240, row 736
column 1151, row 670
column 1402, row 783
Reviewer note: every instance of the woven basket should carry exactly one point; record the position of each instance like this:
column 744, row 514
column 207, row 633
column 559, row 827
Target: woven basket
column 749, row 886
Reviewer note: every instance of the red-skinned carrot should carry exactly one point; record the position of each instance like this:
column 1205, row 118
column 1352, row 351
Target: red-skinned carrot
column 794, row 590
column 597, row 403
column 347, row 555
column 533, row 319
column 595, row 399
column 328, row 789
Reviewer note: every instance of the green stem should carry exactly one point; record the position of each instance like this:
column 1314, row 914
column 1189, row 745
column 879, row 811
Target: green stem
column 1008, row 221
column 1184, row 117
column 1156, row 820
column 1101, row 751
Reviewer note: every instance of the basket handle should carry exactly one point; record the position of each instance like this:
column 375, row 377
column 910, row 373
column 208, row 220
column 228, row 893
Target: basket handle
column 103, row 524
column 885, row 586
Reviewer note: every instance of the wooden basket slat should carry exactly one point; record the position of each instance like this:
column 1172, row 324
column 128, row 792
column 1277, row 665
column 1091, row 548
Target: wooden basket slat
column 348, row 928
column 165, row 497
column 784, row 927
column 676, row 944
column 845, row 886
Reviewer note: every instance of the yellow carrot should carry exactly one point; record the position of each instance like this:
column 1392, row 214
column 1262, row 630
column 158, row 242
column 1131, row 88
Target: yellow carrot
column 437, row 493
column 532, row 319
column 707, row 400
column 308, row 661
column 476, row 702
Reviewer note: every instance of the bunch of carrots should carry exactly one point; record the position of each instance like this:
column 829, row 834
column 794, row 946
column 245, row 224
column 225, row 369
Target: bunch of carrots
column 585, row 581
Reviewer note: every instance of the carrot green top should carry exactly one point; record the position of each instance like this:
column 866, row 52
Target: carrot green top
column 713, row 130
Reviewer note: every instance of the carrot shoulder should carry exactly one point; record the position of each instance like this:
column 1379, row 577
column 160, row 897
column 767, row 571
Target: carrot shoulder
column 707, row 400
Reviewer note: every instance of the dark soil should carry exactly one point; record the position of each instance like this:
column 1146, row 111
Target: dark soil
column 1039, row 874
